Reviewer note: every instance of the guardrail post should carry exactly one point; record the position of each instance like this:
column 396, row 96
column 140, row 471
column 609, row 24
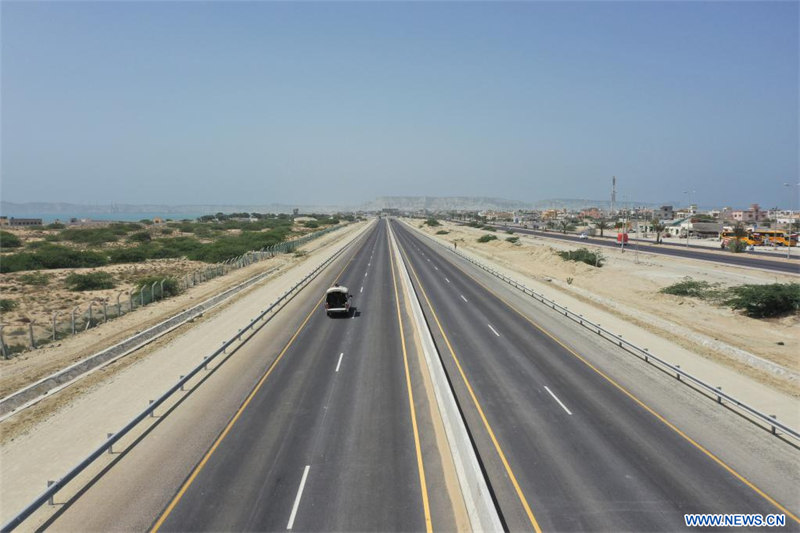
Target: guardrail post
column 773, row 425
column 153, row 412
column 678, row 374
column 110, row 448
column 50, row 483
column 719, row 397
column 180, row 378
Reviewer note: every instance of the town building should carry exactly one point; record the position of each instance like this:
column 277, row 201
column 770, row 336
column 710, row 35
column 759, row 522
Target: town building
column 20, row 222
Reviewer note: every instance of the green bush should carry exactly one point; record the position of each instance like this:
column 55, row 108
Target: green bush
column 486, row 238
column 140, row 236
column 432, row 222
column 312, row 224
column 736, row 246
column 764, row 301
column 123, row 228
column 51, row 256
column 510, row 231
column 146, row 222
column 91, row 236
column 55, row 225
column 489, row 228
column 442, row 232
column 9, row 240
column 89, row 282
column 7, row 305
column 583, row 255
column 690, row 287
column 37, row 279
column 129, row 255
column 171, row 287
column 512, row 240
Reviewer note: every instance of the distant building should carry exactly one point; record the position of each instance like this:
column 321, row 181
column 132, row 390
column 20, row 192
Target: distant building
column 754, row 214
column 664, row 212
column 295, row 211
column 158, row 220
column 20, row 222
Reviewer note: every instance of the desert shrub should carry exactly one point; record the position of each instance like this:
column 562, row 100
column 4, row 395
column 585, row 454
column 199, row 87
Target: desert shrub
column 146, row 222
column 582, row 255
column 763, row 301
column 51, row 256
column 37, row 279
column 690, row 287
column 55, row 225
column 129, row 255
column 510, row 231
column 89, row 282
column 442, row 232
column 486, row 238
column 489, row 228
column 736, row 246
column 512, row 240
column 432, row 222
column 171, row 287
column 312, row 224
column 9, row 240
column 91, row 236
column 139, row 236
column 7, row 305
column 166, row 231
column 123, row 228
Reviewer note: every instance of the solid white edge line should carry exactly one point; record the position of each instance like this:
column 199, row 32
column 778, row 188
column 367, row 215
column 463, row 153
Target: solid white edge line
column 462, row 297
column 340, row 361
column 297, row 498
column 493, row 330
column 559, row 401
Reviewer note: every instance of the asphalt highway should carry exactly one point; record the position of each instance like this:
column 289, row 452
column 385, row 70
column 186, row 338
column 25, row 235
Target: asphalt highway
column 328, row 443
column 676, row 251
column 565, row 448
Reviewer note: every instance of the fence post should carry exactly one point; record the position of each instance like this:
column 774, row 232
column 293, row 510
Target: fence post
column 119, row 307
column 141, row 296
column 130, row 300
column 3, row 342
column 91, row 317
column 30, row 333
column 73, row 319
column 55, row 315
column 105, row 311
column 162, row 287
column 153, row 291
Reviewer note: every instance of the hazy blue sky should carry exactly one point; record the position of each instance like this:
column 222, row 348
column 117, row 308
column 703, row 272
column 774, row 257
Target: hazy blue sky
column 188, row 102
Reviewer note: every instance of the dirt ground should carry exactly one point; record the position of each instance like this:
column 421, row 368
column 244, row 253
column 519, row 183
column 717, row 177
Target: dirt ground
column 628, row 285
column 31, row 366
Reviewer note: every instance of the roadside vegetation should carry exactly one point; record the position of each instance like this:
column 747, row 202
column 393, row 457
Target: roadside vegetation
column 755, row 301
column 487, row 237
column 432, row 222
column 583, row 255
column 91, row 281
column 442, row 232
column 211, row 239
column 512, row 240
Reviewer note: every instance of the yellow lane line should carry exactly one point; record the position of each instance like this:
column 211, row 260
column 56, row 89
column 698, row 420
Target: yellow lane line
column 639, row 402
column 207, row 456
column 523, row 500
column 422, row 483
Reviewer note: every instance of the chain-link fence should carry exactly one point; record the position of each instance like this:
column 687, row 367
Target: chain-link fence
column 17, row 338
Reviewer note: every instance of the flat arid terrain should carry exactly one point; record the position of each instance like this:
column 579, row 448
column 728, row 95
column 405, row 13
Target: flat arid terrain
column 628, row 285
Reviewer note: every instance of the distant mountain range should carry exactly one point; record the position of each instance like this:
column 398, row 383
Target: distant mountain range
column 404, row 203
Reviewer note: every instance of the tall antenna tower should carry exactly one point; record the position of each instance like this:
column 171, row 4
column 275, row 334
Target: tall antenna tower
column 613, row 192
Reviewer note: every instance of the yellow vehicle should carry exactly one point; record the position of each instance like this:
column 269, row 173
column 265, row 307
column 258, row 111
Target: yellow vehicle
column 777, row 237
column 753, row 239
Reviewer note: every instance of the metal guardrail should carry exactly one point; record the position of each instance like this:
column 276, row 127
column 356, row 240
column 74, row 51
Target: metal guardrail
column 643, row 353
column 53, row 489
